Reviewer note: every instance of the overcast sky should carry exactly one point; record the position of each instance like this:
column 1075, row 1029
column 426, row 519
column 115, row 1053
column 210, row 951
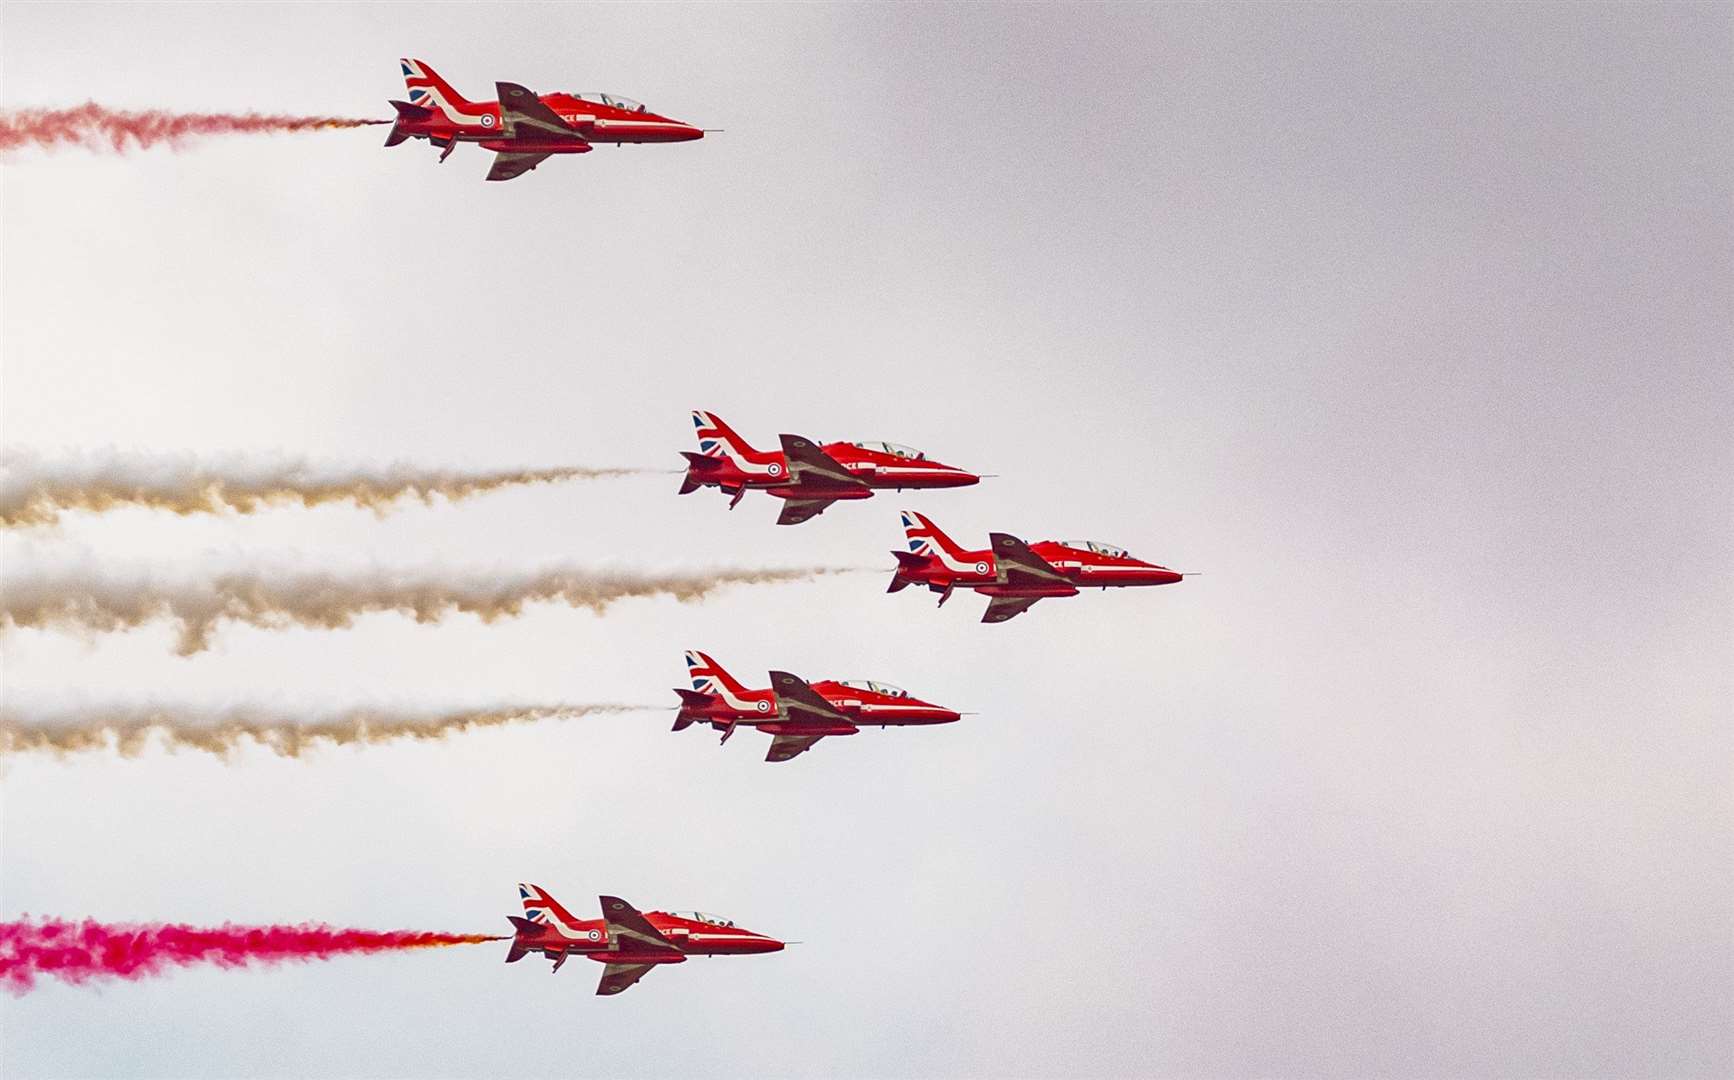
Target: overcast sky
column 1408, row 325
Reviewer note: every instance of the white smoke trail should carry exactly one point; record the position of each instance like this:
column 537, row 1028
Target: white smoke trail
column 130, row 729
column 97, row 601
column 35, row 491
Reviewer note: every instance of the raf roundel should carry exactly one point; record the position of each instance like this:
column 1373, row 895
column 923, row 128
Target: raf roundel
column 487, row 120
column 763, row 706
column 981, row 567
column 595, row 935
column 775, row 469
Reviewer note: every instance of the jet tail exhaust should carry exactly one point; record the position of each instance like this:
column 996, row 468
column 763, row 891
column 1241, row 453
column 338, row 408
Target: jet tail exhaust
column 689, row 699
column 523, row 927
column 695, row 465
column 405, row 111
column 909, row 567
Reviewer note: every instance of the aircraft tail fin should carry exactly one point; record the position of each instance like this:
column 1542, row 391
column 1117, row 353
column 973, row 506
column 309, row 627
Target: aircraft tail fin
column 540, row 908
column 925, row 538
column 428, row 90
column 717, row 439
column 708, row 676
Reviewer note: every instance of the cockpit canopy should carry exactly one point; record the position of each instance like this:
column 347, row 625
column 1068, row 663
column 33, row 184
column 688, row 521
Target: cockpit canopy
column 611, row 100
column 699, row 916
column 1090, row 545
column 875, row 687
column 893, row 449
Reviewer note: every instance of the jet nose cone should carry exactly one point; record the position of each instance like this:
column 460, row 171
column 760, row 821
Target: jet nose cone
column 952, row 476
column 689, row 133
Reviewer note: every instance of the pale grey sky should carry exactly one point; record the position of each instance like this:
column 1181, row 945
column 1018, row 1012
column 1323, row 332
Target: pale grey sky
column 1408, row 325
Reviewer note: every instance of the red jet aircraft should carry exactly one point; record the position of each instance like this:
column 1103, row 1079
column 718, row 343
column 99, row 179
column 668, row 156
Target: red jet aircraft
column 797, row 714
column 810, row 478
column 1014, row 575
column 630, row 942
column 523, row 128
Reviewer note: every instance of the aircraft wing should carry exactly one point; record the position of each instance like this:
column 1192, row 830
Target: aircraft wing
column 1018, row 565
column 784, row 747
column 522, row 113
column 810, row 465
column 796, row 511
column 1001, row 608
column 617, row 977
column 508, row 165
column 625, row 923
column 799, row 703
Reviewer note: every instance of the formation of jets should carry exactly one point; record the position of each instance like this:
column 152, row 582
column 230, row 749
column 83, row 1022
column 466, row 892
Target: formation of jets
column 523, row 129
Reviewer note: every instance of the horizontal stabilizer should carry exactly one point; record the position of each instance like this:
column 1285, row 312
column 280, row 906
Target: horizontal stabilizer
column 406, row 111
column 693, row 697
column 908, row 563
column 695, row 465
column 519, row 949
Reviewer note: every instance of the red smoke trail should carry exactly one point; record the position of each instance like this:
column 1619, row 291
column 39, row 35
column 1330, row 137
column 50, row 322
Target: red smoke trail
column 77, row 952
column 92, row 126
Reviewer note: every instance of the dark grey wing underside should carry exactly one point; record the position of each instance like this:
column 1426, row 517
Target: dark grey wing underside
column 784, row 747
column 796, row 511
column 1001, row 608
column 509, row 166
column 617, row 977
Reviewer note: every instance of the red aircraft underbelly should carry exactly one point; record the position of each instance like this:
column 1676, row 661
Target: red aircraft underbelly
column 1027, row 590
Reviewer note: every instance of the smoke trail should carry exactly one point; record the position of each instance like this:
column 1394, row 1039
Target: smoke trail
column 130, row 730
column 329, row 601
column 78, row 952
column 96, row 128
column 34, row 492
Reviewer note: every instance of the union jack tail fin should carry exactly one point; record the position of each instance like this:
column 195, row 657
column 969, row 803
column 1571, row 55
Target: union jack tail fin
column 429, row 91
column 925, row 538
column 717, row 439
column 541, row 908
column 708, row 676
